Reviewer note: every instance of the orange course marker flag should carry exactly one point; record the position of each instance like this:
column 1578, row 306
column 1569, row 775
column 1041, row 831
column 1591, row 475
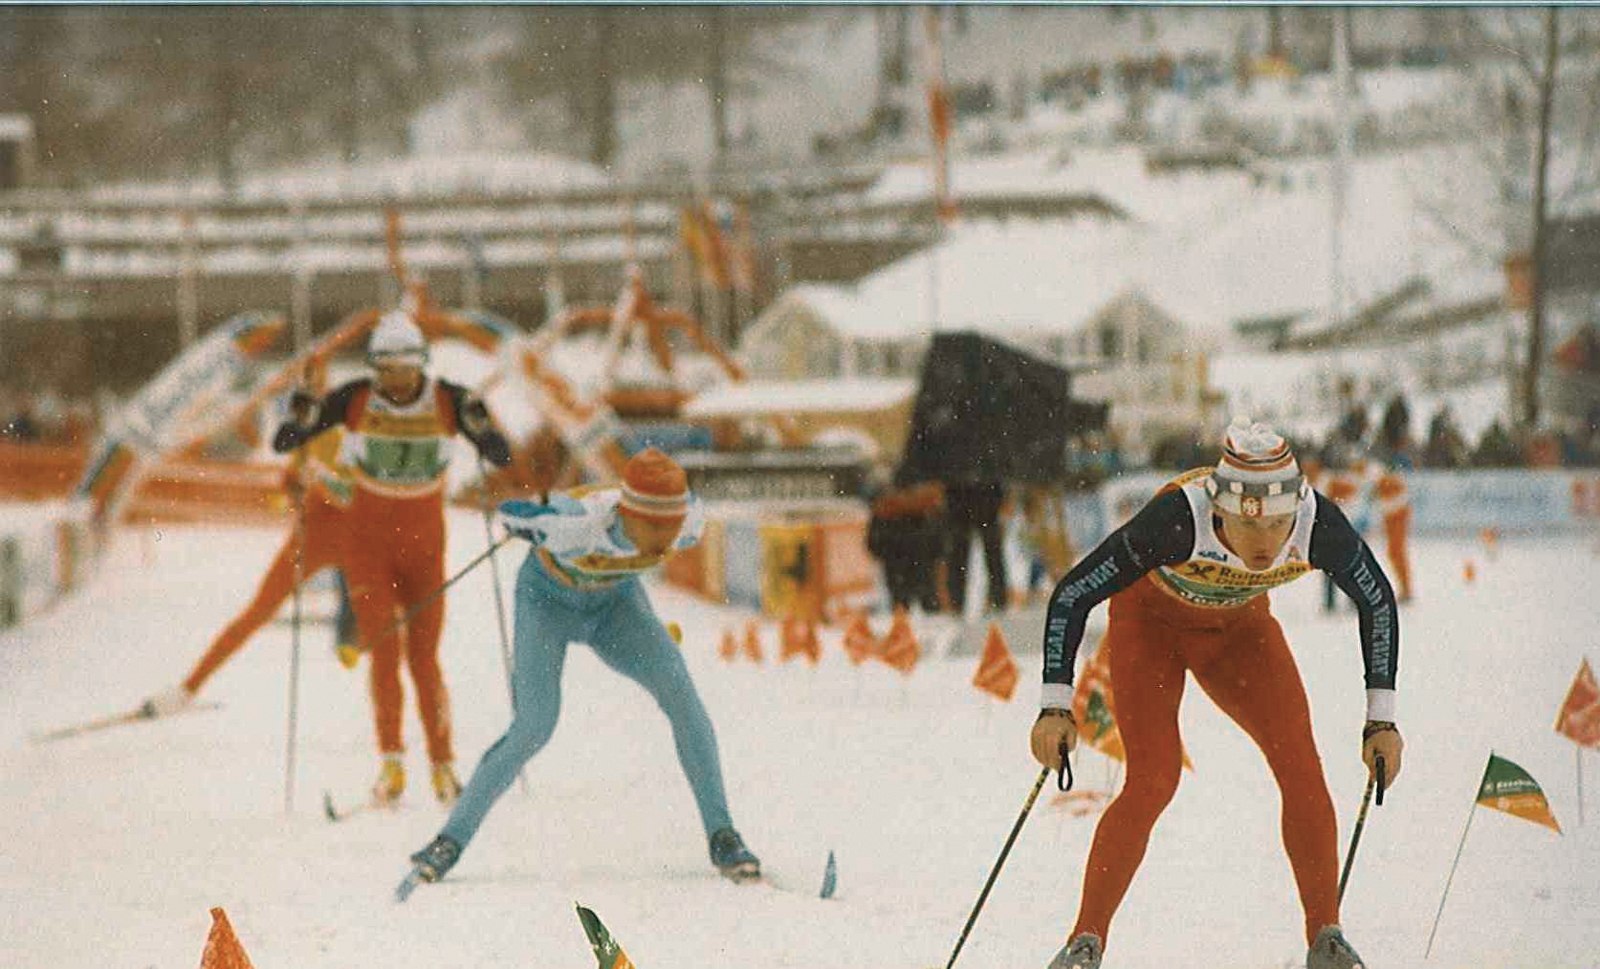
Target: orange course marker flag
column 752, row 641
column 1579, row 719
column 1507, row 787
column 900, row 648
column 997, row 671
column 859, row 643
column 728, row 649
column 792, row 638
column 223, row 950
column 810, row 645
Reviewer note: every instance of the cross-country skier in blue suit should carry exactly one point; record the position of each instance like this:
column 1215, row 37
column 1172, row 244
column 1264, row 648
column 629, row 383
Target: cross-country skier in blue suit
column 580, row 583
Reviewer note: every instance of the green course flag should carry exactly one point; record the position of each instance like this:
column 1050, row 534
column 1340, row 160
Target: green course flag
column 606, row 950
column 1507, row 787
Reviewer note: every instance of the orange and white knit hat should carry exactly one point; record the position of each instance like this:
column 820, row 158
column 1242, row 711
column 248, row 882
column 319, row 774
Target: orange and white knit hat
column 1257, row 475
column 654, row 486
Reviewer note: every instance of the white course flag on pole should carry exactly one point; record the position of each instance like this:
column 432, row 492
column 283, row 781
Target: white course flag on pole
column 1505, row 787
column 183, row 401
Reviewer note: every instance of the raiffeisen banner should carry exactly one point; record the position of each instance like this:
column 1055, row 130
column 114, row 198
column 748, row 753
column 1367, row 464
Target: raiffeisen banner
column 181, row 404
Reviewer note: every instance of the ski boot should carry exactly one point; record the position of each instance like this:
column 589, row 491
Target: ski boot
column 391, row 781
column 430, row 864
column 1331, row 951
column 732, row 858
column 446, row 786
column 1083, row 952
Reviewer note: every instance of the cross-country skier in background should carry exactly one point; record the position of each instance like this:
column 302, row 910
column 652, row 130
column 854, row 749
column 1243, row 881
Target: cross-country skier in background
column 1187, row 578
column 580, row 583
column 398, row 426
column 322, row 489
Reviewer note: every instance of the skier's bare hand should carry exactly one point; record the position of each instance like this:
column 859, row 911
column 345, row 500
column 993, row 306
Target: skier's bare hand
column 1380, row 738
column 1054, row 730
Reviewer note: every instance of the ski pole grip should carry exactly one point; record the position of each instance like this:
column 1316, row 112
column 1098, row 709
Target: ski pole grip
column 1382, row 770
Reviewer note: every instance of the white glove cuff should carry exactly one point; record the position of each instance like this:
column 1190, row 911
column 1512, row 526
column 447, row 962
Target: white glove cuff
column 1381, row 705
column 1058, row 695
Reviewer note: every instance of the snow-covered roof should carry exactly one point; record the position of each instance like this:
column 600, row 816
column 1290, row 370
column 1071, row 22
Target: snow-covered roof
column 1209, row 250
column 466, row 173
column 1116, row 175
column 1014, row 280
column 832, row 395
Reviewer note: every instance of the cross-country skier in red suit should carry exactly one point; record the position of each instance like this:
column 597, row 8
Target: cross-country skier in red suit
column 1187, row 578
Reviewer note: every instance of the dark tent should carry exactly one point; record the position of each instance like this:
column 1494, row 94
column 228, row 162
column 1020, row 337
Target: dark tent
column 988, row 412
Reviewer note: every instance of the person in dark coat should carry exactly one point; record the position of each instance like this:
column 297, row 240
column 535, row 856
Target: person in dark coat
column 907, row 534
column 975, row 507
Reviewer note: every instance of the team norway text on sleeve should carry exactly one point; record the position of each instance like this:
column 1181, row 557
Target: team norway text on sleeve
column 1339, row 550
column 1162, row 533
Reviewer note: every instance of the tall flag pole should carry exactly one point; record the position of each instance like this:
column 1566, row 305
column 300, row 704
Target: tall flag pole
column 1504, row 787
column 940, row 115
column 939, row 124
column 1579, row 720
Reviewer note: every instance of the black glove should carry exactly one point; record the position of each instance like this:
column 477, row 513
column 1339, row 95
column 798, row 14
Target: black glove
column 475, row 416
column 302, row 407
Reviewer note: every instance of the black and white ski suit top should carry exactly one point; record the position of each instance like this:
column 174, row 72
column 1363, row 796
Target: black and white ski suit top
column 1175, row 536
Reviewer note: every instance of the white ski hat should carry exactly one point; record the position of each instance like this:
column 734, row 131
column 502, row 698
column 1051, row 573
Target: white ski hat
column 1257, row 475
column 398, row 338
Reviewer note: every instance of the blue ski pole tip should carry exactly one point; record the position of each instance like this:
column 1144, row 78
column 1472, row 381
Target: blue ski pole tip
column 830, row 877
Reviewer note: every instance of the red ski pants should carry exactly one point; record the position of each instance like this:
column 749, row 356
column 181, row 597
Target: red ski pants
column 394, row 561
column 1240, row 659
column 324, row 547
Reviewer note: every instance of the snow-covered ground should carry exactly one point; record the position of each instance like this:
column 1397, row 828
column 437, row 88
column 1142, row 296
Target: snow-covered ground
column 113, row 846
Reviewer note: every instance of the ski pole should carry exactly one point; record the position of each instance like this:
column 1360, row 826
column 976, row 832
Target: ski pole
column 436, row 593
column 994, row 873
column 499, row 605
column 499, row 596
column 294, row 649
column 1374, row 782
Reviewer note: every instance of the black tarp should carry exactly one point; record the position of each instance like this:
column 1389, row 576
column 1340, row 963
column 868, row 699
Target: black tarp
column 988, row 412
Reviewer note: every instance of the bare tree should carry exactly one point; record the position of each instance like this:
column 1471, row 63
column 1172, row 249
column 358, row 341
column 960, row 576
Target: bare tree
column 1541, row 183
column 1532, row 89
